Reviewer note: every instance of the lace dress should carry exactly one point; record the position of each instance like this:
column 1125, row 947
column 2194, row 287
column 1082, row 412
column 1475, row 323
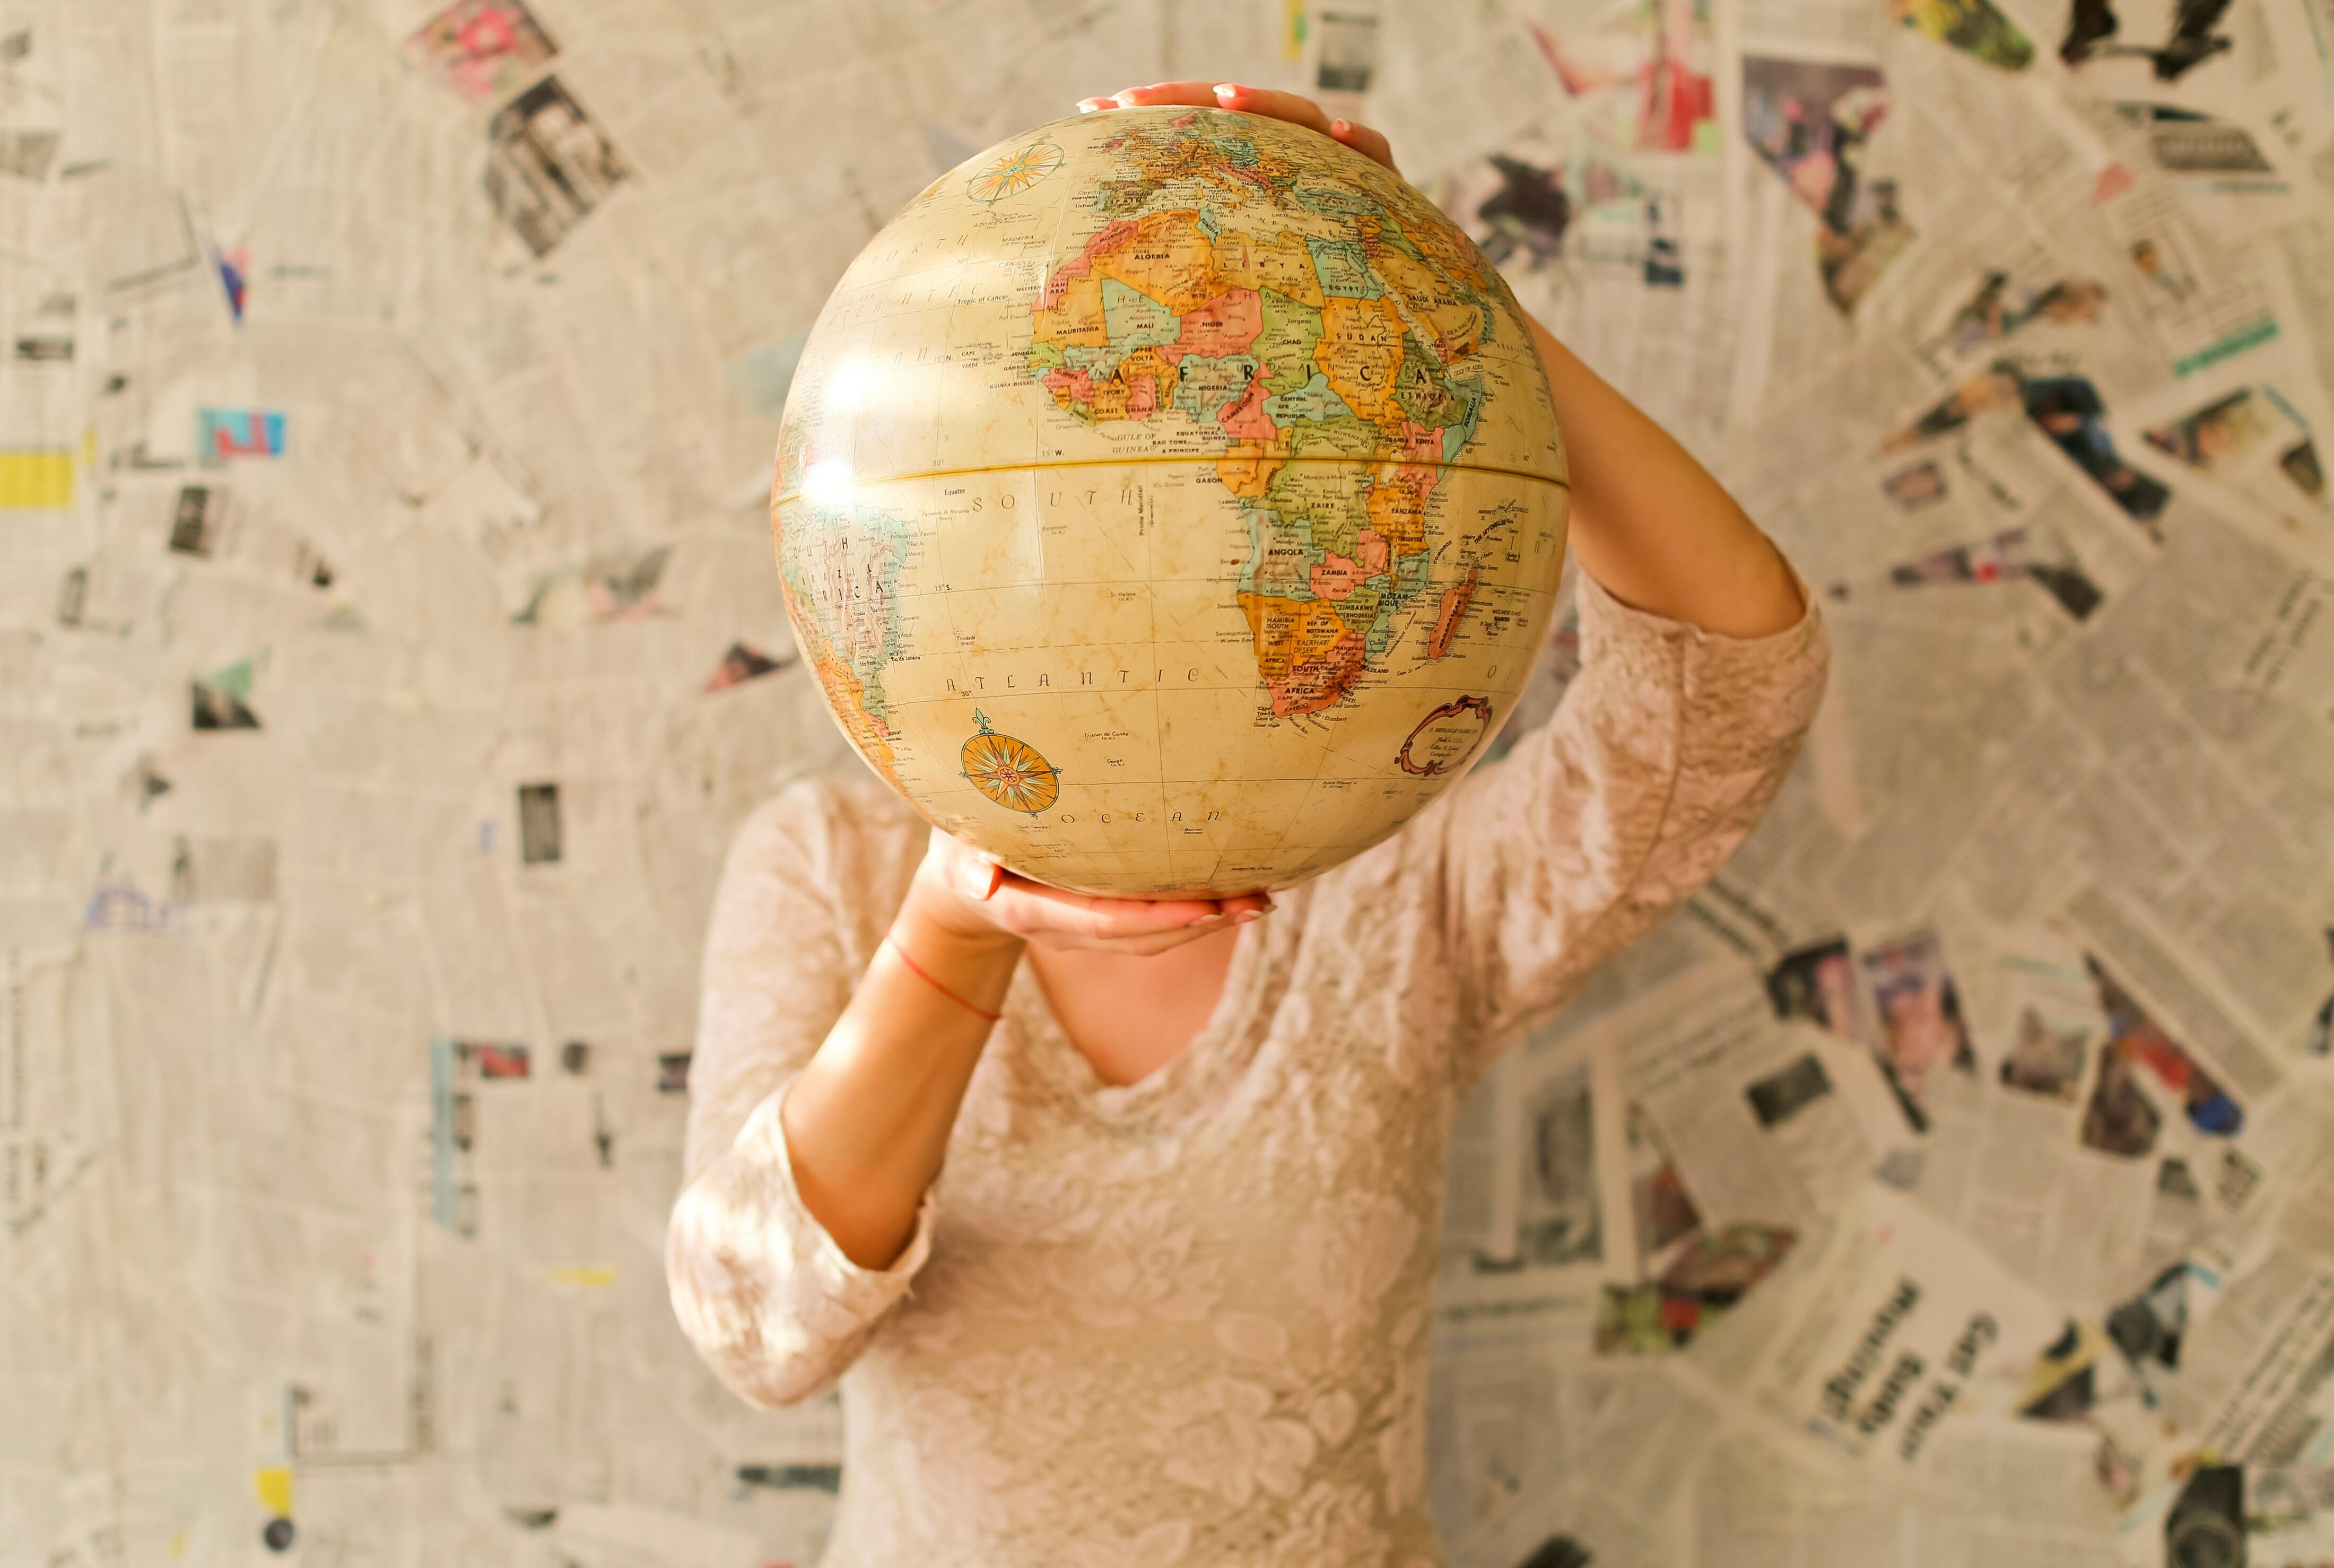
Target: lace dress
column 1184, row 1321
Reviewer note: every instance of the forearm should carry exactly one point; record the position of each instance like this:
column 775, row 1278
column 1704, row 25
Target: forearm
column 867, row 1122
column 1650, row 523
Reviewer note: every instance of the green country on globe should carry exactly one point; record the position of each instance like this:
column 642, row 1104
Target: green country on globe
column 1169, row 502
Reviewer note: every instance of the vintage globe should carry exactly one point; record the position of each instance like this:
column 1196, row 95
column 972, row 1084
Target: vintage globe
column 1170, row 502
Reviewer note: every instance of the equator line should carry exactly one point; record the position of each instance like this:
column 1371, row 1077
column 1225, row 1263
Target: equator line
column 1152, row 458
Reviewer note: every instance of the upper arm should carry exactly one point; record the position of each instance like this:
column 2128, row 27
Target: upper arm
column 759, row 1287
column 1659, row 761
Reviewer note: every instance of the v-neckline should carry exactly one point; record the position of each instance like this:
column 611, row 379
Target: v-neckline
column 1068, row 1069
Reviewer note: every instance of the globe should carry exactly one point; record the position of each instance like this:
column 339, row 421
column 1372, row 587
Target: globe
column 1169, row 502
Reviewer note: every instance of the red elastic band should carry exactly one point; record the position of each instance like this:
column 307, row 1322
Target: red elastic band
column 925, row 975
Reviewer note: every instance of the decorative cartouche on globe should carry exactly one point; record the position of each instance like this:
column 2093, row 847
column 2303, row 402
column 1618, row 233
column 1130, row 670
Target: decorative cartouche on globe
column 1170, row 502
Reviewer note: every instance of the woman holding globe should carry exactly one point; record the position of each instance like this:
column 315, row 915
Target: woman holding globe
column 1121, row 1214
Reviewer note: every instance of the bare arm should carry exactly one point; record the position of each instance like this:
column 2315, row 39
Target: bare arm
column 1702, row 663
column 1648, row 522
column 867, row 1122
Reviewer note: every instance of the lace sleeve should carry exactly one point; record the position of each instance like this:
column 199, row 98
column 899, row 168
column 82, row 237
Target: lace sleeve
column 1659, row 760
column 768, row 1298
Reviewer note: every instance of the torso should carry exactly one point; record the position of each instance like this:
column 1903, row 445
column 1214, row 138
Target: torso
column 1177, row 1299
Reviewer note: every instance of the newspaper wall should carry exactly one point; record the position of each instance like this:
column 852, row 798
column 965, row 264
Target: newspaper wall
column 389, row 646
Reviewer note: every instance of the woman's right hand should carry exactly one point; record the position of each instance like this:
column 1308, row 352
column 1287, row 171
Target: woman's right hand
column 966, row 895
column 1291, row 107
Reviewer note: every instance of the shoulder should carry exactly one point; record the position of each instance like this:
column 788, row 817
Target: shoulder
column 846, row 841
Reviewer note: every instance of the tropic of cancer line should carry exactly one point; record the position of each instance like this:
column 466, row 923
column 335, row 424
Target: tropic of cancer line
column 1161, row 457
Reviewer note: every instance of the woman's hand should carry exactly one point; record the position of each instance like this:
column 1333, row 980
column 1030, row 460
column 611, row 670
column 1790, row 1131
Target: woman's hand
column 1286, row 106
column 964, row 895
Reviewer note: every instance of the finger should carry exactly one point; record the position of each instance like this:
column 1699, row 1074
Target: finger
column 1167, row 941
column 1152, row 946
column 979, row 879
column 1033, row 906
column 970, row 872
column 1232, row 914
column 1287, row 106
column 1369, row 143
column 1159, row 95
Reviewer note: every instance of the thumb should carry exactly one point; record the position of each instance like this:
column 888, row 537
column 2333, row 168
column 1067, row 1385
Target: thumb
column 976, row 878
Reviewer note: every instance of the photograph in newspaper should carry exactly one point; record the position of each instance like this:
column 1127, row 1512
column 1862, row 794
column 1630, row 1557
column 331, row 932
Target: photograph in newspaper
column 538, row 824
column 1812, row 121
column 2217, row 436
column 1569, row 210
column 2030, row 552
column 2249, row 442
column 2138, row 1059
column 2000, row 307
column 1664, row 1213
column 1917, row 485
column 482, row 49
column 199, row 519
column 605, row 590
column 1704, row 1276
column 2135, row 45
column 2067, row 408
column 1975, row 27
column 1918, row 1018
column 1559, row 1219
column 222, row 699
column 2070, row 1376
column 742, row 663
column 2047, row 1057
column 1530, row 1215
column 1649, row 75
column 1818, row 983
column 548, row 166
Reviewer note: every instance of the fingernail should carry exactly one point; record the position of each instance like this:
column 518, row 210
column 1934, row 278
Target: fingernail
column 1245, row 916
column 977, row 881
column 1339, row 128
column 1225, row 89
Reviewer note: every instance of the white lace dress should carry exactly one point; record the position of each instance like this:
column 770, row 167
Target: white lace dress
column 1184, row 1321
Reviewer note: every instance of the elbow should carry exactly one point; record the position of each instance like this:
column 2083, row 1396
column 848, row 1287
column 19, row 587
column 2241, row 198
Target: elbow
column 772, row 1385
column 734, row 1307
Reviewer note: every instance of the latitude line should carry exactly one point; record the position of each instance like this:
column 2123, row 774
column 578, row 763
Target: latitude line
column 1150, row 459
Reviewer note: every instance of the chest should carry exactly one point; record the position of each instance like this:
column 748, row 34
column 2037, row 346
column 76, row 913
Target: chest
column 1209, row 1154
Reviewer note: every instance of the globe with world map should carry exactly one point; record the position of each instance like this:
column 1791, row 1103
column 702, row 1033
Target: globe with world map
column 1169, row 502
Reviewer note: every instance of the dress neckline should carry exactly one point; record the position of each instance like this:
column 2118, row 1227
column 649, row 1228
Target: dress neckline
column 1062, row 1064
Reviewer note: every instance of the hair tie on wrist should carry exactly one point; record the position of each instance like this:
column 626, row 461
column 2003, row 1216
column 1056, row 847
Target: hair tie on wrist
column 926, row 975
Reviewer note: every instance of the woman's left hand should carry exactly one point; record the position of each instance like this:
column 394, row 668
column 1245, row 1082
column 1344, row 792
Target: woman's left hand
column 1232, row 95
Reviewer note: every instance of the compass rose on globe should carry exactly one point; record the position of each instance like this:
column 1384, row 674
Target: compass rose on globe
column 1015, row 172
column 1009, row 771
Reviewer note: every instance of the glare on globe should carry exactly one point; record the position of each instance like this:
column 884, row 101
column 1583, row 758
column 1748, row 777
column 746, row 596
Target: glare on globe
column 1169, row 502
